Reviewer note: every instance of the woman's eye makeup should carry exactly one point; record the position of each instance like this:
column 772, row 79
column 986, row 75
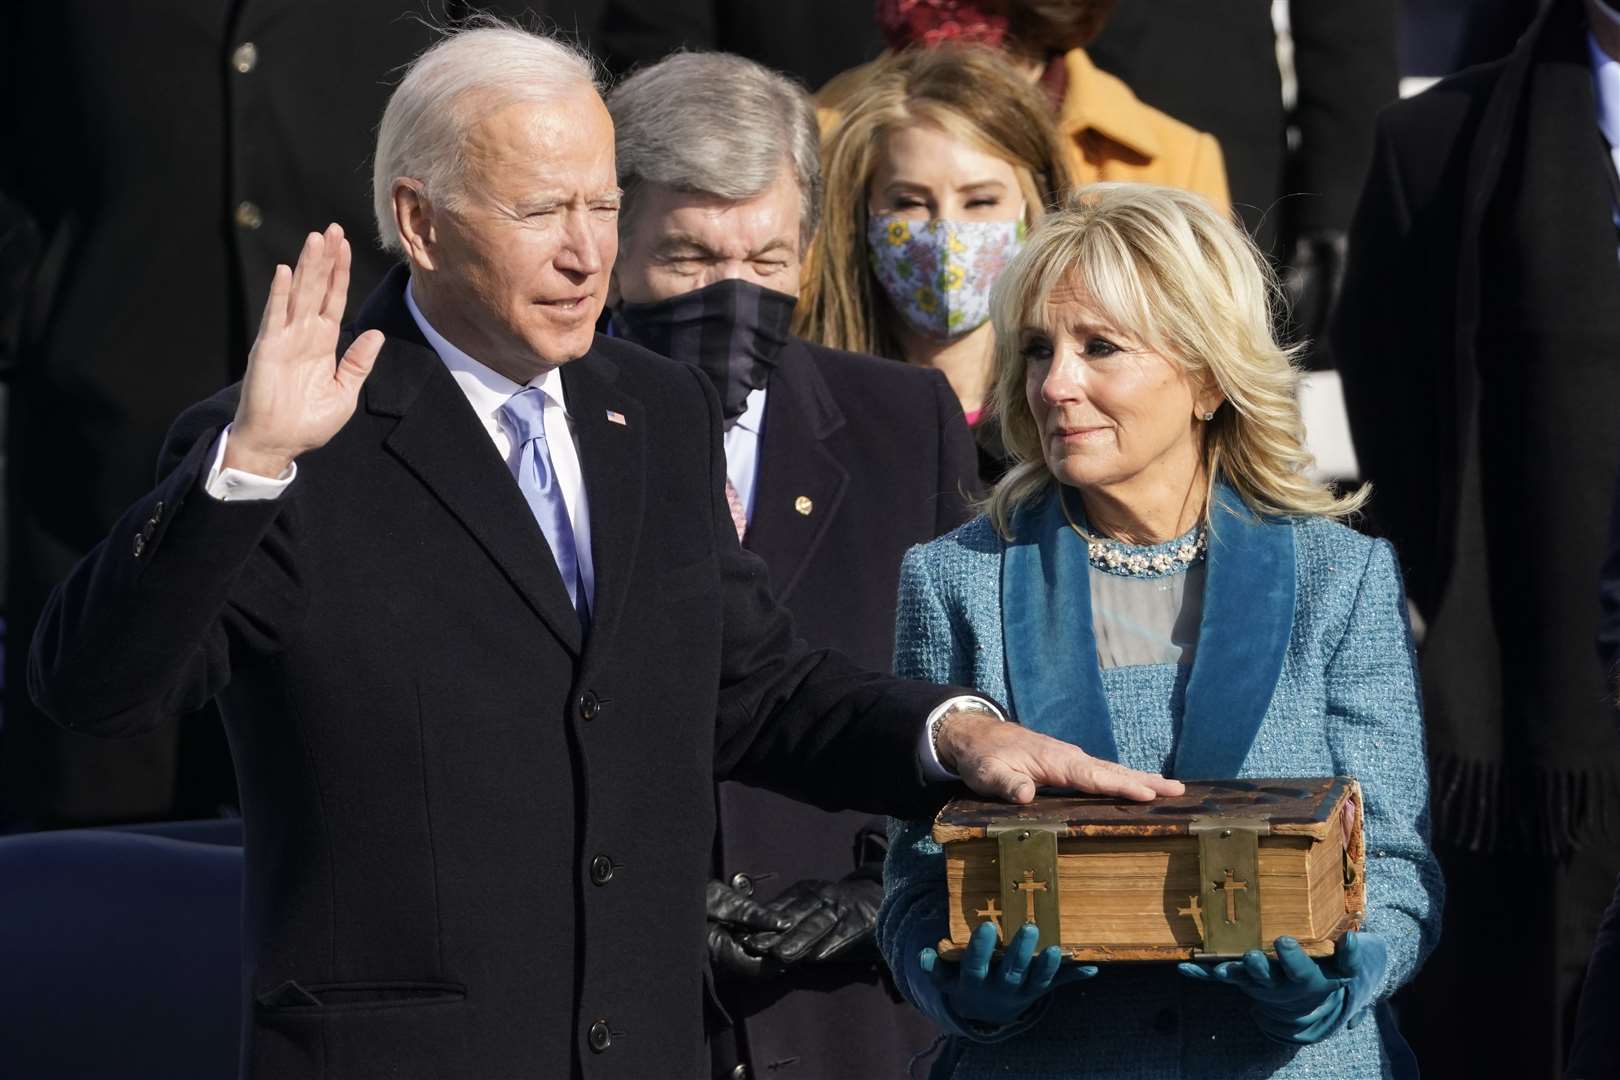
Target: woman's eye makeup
column 1099, row 347
column 1036, row 349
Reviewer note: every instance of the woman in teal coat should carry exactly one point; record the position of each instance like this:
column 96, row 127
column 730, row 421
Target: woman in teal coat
column 1160, row 582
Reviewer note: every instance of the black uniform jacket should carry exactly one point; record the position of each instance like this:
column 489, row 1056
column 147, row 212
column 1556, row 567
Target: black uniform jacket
column 477, row 839
column 861, row 458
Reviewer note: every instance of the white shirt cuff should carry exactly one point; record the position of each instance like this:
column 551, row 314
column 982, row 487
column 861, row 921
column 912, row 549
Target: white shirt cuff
column 234, row 485
column 932, row 770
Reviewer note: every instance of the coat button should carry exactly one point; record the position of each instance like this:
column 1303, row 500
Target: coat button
column 157, row 512
column 740, row 1073
column 589, row 706
column 245, row 57
column 599, row 1036
column 139, row 546
column 248, row 215
column 743, row 884
column 601, row 870
column 1164, row 1020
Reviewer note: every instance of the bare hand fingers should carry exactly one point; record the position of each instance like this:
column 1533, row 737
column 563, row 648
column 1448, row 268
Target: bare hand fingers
column 275, row 305
column 310, row 277
column 337, row 288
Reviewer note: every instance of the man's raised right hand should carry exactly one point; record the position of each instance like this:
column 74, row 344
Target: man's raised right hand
column 296, row 394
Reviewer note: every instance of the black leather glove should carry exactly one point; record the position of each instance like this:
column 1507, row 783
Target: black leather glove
column 831, row 922
column 732, row 916
column 1312, row 282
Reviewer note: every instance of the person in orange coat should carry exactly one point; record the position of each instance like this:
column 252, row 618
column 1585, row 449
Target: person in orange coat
column 1109, row 134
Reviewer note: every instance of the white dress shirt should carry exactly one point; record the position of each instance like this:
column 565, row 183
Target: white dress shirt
column 742, row 450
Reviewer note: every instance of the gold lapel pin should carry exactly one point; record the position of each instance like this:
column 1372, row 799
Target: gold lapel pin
column 803, row 505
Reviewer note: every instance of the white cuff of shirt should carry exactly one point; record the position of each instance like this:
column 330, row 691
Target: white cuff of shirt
column 234, row 485
column 932, row 770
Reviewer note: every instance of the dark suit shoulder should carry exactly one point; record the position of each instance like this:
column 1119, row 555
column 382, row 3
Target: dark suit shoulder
column 643, row 372
column 863, row 383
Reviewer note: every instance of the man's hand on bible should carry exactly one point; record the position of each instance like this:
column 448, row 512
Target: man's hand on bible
column 296, row 393
column 1007, row 761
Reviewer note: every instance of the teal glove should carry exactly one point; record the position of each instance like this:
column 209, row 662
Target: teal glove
column 1297, row 1000
column 993, row 994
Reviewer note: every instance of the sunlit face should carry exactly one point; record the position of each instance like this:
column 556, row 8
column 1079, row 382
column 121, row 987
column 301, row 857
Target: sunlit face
column 1111, row 411
column 518, row 272
column 678, row 242
column 923, row 174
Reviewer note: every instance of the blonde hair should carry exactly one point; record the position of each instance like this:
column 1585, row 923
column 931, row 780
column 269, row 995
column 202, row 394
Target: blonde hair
column 1163, row 265
column 970, row 93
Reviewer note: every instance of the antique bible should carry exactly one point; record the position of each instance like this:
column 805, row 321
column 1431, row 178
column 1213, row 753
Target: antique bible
column 1230, row 866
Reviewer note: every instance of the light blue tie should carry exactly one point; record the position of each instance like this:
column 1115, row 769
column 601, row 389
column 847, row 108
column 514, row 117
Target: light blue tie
column 524, row 412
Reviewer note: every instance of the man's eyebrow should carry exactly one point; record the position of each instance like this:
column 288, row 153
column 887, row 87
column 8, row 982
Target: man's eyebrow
column 681, row 241
column 778, row 244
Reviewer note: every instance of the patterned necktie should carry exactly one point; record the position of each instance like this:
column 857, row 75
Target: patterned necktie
column 524, row 413
column 739, row 513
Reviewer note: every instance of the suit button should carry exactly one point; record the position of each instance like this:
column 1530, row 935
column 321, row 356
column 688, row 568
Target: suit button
column 139, row 546
column 743, row 884
column 589, row 706
column 157, row 512
column 1164, row 1021
column 600, row 1037
column 248, row 215
column 601, row 870
column 245, row 58
column 740, row 1073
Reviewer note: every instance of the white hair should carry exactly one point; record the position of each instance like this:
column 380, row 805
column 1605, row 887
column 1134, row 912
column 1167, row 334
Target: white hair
column 446, row 91
column 716, row 124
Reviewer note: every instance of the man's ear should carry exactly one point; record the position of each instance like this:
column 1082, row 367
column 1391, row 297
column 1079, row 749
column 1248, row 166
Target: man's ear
column 413, row 217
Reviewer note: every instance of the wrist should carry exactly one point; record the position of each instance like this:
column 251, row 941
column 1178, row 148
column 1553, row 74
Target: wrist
column 242, row 454
column 950, row 727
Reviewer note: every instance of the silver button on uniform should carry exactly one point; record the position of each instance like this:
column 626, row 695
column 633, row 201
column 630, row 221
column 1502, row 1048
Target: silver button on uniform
column 248, row 215
column 245, row 57
column 599, row 1036
column 743, row 884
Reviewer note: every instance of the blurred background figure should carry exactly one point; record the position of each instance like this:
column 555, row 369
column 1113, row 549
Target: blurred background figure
column 1477, row 337
column 1108, row 134
column 836, row 464
column 811, row 40
column 943, row 160
column 155, row 143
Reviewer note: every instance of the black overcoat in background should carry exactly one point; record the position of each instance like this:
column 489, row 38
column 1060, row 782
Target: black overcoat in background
column 1214, row 66
column 860, row 459
column 169, row 154
column 1479, row 340
column 476, row 844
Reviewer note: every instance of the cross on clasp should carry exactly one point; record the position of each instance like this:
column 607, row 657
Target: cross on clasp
column 988, row 913
column 1029, row 887
column 1230, row 888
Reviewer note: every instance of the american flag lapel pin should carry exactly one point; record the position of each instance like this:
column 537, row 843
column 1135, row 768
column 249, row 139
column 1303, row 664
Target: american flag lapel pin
column 616, row 418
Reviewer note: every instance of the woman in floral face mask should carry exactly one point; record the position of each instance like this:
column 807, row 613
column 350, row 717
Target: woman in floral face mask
column 933, row 176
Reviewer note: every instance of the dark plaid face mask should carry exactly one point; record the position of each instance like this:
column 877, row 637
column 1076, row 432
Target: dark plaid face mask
column 732, row 330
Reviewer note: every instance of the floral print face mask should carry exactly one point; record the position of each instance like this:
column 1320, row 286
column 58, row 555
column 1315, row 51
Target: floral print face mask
column 938, row 273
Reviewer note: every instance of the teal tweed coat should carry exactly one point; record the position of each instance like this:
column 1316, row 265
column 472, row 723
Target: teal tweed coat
column 1304, row 667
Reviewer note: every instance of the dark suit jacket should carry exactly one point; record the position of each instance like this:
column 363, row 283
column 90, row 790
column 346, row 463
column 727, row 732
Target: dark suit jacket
column 1214, row 66
column 132, row 139
column 884, row 457
column 470, row 832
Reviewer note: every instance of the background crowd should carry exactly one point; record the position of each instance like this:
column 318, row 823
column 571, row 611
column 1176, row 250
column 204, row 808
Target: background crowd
column 1449, row 259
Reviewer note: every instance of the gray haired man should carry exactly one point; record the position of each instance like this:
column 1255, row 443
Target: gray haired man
column 835, row 464
column 463, row 581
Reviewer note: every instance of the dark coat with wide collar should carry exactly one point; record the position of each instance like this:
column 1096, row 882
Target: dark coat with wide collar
column 1479, row 337
column 475, row 836
column 860, row 459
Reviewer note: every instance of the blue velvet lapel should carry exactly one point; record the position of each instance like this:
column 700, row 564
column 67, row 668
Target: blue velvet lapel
column 1242, row 638
column 1054, row 682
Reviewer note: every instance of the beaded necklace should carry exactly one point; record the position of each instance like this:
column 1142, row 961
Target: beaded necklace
column 1129, row 560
